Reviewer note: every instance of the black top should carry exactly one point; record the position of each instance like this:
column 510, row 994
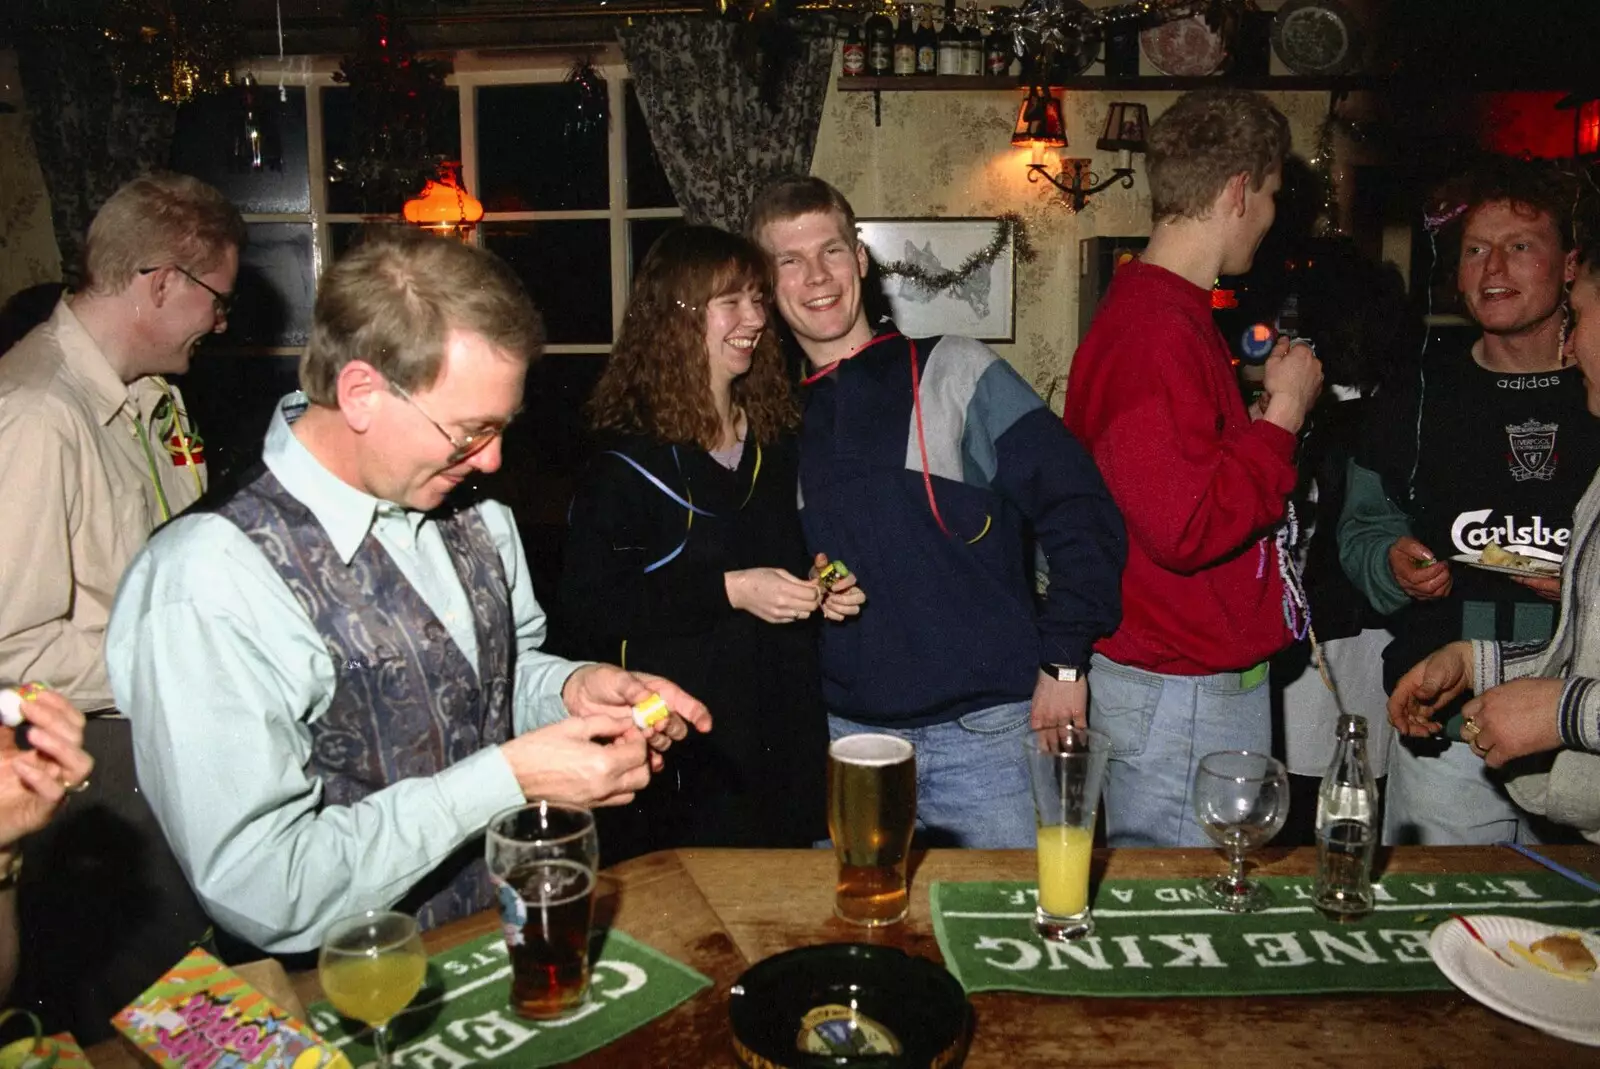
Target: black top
column 758, row 779
column 1492, row 457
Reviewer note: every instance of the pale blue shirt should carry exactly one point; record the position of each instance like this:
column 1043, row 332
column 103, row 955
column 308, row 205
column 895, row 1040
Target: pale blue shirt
column 221, row 674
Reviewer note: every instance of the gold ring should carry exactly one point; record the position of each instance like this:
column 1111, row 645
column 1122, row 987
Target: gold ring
column 1470, row 727
column 75, row 788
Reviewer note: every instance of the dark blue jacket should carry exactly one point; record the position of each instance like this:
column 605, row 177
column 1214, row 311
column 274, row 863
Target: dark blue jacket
column 936, row 507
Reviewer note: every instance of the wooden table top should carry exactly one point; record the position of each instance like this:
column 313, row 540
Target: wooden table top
column 722, row 910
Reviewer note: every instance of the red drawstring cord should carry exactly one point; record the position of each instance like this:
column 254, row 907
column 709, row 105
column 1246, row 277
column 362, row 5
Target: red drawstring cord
column 916, row 408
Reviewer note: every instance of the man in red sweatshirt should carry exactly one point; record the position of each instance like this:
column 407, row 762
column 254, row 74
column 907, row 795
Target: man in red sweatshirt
column 1207, row 594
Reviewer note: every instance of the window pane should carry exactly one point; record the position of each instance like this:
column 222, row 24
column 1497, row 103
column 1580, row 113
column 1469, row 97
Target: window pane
column 539, row 149
column 275, row 288
column 339, row 143
column 566, row 266
column 210, row 142
column 642, row 233
column 647, row 182
column 231, row 398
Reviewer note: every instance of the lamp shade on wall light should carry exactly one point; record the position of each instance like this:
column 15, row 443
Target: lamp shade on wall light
column 444, row 205
column 1126, row 125
column 1039, row 122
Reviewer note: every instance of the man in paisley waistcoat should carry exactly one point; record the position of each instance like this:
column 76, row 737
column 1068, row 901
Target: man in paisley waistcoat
column 333, row 671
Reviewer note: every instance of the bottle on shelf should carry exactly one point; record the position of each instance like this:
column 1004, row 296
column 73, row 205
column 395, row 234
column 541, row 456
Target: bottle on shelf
column 905, row 42
column 880, row 44
column 1347, row 831
column 997, row 51
column 927, row 43
column 971, row 43
column 854, row 51
column 951, row 50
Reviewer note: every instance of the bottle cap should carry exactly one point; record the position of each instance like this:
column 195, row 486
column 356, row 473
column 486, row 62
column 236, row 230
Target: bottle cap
column 1352, row 726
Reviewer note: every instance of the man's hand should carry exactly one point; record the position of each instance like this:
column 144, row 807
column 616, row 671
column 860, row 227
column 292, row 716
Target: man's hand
column 1420, row 574
column 1430, row 685
column 1513, row 720
column 606, row 690
column 33, row 782
column 1547, row 587
column 844, row 599
column 772, row 594
column 1057, row 704
column 1292, row 383
column 587, row 760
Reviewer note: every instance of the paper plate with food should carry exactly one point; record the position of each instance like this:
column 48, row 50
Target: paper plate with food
column 1495, row 559
column 1536, row 973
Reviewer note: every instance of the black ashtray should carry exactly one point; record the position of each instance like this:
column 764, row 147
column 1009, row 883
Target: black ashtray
column 849, row 1006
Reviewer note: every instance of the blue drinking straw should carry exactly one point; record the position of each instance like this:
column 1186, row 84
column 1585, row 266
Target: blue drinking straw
column 1555, row 866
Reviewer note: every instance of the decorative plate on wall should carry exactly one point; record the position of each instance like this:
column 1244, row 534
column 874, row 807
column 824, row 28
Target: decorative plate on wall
column 1315, row 37
column 1184, row 48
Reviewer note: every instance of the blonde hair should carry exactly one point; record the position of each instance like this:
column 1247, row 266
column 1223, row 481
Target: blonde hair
column 794, row 196
column 393, row 300
column 158, row 219
column 1206, row 138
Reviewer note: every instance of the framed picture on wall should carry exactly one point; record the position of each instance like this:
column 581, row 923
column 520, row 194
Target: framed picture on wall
column 982, row 305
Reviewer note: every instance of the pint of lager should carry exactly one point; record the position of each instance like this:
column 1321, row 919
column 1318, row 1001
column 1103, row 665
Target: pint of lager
column 542, row 859
column 872, row 808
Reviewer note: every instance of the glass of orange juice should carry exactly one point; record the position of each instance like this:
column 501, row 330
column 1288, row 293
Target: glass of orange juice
column 1065, row 767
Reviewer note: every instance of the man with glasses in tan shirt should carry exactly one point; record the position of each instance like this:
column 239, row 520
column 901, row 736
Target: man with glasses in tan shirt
column 100, row 450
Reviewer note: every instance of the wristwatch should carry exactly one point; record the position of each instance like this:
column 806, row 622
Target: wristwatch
column 1062, row 673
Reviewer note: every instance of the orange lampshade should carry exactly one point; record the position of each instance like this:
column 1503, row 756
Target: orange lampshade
column 444, row 205
column 1039, row 121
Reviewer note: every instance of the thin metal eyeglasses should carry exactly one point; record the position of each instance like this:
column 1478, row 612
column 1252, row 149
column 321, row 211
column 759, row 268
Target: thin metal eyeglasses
column 460, row 448
column 223, row 301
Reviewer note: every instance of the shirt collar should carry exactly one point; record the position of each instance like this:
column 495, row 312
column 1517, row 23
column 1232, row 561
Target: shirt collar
column 347, row 514
column 79, row 353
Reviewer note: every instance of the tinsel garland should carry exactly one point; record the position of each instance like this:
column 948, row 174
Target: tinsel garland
column 1010, row 230
column 176, row 48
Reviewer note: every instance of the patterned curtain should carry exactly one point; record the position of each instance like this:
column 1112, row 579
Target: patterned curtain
column 720, row 133
column 92, row 132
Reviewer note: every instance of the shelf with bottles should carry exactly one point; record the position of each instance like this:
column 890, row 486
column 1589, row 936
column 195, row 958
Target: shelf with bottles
column 922, row 83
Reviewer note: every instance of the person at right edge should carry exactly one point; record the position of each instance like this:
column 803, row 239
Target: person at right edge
column 1491, row 442
column 1209, row 592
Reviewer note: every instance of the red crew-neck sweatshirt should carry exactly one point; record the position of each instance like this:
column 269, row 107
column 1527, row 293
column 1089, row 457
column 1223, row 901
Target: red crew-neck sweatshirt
column 1153, row 397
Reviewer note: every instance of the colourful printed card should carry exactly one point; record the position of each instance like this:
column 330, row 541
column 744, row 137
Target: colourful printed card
column 202, row 1015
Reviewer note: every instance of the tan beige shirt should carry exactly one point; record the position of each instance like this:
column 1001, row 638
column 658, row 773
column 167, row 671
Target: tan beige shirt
column 79, row 490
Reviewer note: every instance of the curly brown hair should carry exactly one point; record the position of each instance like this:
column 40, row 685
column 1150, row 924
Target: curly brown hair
column 1533, row 187
column 657, row 380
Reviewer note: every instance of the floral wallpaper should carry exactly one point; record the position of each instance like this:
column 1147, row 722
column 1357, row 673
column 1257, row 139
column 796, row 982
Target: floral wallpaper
column 28, row 254
column 948, row 154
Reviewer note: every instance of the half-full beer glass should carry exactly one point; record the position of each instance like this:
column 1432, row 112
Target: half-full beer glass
column 543, row 859
column 872, row 809
column 1065, row 766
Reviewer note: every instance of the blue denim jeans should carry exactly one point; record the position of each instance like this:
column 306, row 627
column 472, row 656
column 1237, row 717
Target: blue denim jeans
column 1160, row 727
column 972, row 777
column 1441, row 794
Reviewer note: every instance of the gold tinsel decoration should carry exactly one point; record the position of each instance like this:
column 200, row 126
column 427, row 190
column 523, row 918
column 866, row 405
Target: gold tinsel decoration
column 178, row 48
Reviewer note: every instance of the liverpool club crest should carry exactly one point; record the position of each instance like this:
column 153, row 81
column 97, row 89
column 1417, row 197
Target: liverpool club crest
column 1533, row 450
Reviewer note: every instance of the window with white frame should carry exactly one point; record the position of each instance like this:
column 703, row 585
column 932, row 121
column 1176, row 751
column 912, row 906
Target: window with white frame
column 572, row 215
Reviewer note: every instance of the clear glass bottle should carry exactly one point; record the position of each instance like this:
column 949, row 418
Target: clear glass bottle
column 1347, row 830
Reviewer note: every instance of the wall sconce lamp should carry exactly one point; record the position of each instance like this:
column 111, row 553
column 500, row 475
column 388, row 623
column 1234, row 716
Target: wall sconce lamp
column 444, row 206
column 1124, row 133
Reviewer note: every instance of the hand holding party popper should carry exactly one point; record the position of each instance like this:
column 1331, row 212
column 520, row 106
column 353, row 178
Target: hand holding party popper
column 11, row 702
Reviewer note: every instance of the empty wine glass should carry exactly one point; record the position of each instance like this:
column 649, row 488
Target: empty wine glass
column 370, row 967
column 1241, row 799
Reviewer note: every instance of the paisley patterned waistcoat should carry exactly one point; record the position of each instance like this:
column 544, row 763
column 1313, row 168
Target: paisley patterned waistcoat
column 407, row 703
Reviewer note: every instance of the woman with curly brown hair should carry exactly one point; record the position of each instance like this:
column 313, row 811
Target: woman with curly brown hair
column 684, row 554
